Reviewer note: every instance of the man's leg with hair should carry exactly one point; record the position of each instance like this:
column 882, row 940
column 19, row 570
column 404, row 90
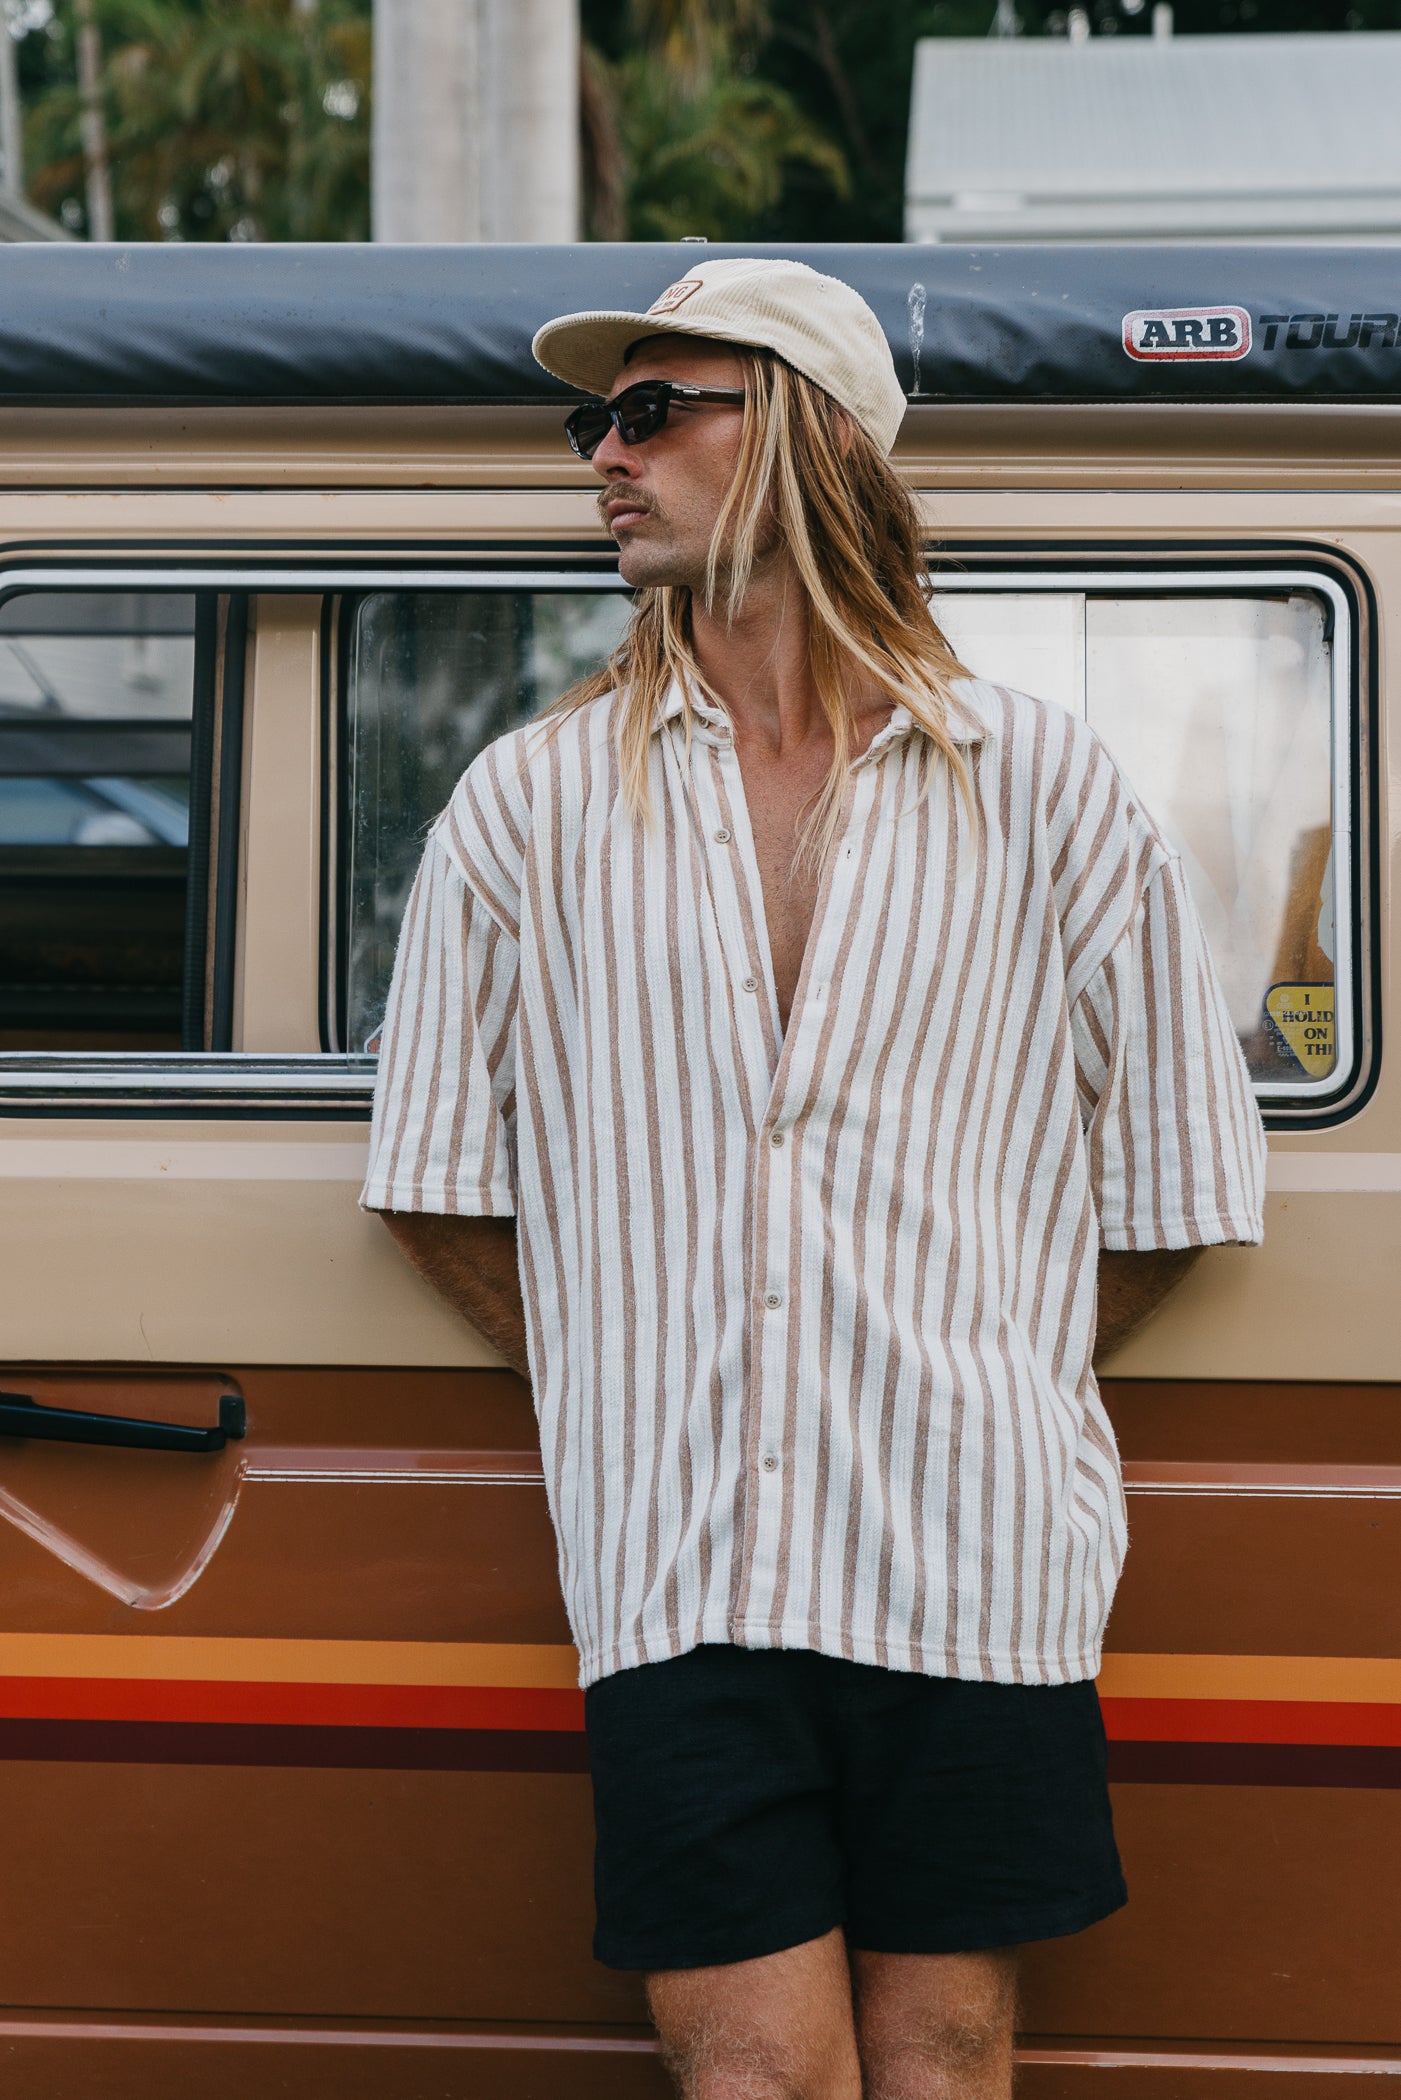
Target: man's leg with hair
column 779, row 2028
column 936, row 2026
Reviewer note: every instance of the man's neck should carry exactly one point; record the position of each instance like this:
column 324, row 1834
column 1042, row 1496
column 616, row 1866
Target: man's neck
column 759, row 663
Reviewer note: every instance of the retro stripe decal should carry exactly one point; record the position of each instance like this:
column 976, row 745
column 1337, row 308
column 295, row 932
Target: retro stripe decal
column 328, row 1749
column 168, row 1657
column 450, row 1706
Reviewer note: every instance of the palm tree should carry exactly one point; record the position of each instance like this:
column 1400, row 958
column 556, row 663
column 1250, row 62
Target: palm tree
column 682, row 135
column 249, row 120
column 225, row 120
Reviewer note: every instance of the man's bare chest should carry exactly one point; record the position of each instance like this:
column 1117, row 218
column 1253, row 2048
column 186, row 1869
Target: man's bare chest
column 778, row 805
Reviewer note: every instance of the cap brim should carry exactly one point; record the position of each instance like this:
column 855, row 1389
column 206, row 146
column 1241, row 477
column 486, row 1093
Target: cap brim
column 587, row 350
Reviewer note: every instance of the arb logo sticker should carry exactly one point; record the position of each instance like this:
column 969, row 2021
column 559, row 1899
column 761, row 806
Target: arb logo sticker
column 1188, row 332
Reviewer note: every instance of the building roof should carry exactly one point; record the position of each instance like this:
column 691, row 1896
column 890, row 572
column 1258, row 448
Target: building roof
column 22, row 221
column 1135, row 137
column 222, row 323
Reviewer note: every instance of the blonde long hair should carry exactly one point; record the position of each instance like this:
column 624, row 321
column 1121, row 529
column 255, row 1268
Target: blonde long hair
column 807, row 470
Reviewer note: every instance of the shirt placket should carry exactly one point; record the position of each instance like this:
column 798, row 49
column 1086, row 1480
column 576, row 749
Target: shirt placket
column 777, row 1312
column 737, row 899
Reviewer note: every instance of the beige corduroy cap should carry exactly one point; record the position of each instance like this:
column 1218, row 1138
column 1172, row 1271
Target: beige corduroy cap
column 817, row 324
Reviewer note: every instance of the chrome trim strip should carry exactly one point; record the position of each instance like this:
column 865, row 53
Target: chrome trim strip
column 1223, row 1493
column 339, row 1467
column 1313, row 2065
column 327, row 1476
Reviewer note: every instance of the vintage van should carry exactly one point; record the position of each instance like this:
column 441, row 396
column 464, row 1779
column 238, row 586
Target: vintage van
column 294, row 1779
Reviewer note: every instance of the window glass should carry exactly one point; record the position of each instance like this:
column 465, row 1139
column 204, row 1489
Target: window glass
column 1033, row 641
column 96, row 701
column 1218, row 708
column 432, row 677
column 1217, row 703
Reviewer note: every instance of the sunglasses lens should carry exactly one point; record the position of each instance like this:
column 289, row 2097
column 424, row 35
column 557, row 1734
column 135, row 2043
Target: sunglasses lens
column 587, row 427
column 641, row 412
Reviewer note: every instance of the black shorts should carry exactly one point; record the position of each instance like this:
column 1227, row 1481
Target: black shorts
column 748, row 1799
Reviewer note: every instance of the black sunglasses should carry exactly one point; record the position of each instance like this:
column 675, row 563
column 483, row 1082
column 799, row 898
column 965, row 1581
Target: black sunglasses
column 638, row 412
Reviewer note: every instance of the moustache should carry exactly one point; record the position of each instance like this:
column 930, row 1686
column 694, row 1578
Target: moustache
column 611, row 499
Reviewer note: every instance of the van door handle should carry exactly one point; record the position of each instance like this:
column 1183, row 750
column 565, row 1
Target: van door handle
column 22, row 1415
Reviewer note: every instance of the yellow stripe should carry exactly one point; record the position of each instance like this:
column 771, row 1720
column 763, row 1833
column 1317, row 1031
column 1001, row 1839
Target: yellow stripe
column 175, row 1657
column 172, row 1657
column 1368, row 1680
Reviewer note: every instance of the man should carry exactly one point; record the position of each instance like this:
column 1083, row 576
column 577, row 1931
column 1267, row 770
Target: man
column 779, row 1030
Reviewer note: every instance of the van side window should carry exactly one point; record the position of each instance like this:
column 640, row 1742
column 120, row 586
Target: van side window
column 1220, row 708
column 431, row 678
column 1219, row 711
column 1226, row 701
column 96, row 707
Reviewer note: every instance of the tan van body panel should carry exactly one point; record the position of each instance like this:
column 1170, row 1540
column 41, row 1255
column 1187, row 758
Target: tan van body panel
column 294, row 1776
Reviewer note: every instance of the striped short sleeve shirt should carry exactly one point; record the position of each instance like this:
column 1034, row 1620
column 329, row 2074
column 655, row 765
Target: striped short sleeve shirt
column 811, row 1316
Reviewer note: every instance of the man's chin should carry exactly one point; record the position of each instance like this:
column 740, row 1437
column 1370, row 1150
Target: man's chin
column 649, row 568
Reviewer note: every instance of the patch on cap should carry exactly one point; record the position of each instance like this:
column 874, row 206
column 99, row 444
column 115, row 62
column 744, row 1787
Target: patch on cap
column 674, row 294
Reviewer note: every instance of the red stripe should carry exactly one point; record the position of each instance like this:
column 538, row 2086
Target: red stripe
column 315, row 1705
column 1250, row 1721
column 552, row 1709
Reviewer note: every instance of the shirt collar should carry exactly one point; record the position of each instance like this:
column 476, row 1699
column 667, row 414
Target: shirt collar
column 969, row 719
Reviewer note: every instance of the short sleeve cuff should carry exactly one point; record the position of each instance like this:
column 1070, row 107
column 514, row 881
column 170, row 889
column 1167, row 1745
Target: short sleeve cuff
column 1163, row 1235
column 438, row 1202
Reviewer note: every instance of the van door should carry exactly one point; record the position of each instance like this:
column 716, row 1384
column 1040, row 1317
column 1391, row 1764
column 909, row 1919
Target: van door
column 288, row 1707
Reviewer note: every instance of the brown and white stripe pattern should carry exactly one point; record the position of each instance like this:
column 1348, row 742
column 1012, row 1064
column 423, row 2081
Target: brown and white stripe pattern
column 811, row 1319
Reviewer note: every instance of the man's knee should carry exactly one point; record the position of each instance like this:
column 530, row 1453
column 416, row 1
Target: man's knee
column 774, row 2029
column 929, row 2025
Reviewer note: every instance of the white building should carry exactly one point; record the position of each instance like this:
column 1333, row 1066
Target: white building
column 1231, row 138
column 22, row 221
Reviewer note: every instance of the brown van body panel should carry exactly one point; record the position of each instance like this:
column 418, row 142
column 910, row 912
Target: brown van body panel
column 292, row 1748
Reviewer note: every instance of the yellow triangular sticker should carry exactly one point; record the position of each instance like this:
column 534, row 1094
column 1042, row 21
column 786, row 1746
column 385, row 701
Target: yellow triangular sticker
column 1303, row 1014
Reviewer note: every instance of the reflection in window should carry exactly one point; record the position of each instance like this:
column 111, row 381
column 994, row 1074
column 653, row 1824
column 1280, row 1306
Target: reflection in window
column 96, row 693
column 432, row 677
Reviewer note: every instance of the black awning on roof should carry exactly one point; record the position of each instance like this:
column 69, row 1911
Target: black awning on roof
column 362, row 323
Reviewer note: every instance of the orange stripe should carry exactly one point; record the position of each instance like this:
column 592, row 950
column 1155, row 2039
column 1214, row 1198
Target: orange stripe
column 499, row 1666
column 334, row 1705
column 1356, row 1679
column 1249, row 1721
column 182, row 1658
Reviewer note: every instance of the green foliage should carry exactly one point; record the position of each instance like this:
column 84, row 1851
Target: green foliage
column 710, row 159
column 738, row 119
column 226, row 120
column 686, row 133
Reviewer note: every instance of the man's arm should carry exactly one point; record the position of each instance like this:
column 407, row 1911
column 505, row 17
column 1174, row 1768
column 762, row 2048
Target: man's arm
column 1133, row 1286
column 472, row 1261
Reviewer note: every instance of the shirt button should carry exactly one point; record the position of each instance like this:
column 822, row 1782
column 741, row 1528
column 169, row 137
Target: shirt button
column 722, row 837
column 773, row 1299
column 751, row 984
column 776, row 1137
column 769, row 1461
